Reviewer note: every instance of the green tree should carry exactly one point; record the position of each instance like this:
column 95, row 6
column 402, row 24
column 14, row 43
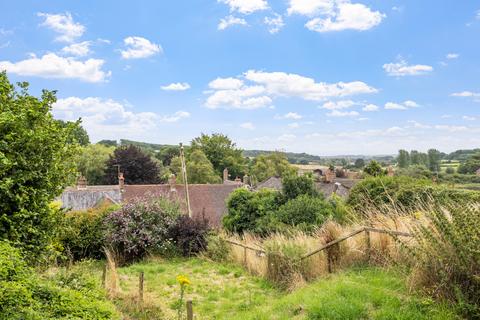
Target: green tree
column 374, row 169
column 79, row 134
column 418, row 158
column 222, row 153
column 471, row 165
column 108, row 143
column 359, row 163
column 137, row 166
column 199, row 168
column 92, row 162
column 271, row 165
column 166, row 154
column 294, row 186
column 434, row 160
column 403, row 159
column 36, row 164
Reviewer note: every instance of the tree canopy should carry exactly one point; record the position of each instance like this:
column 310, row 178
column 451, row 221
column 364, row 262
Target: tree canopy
column 199, row 168
column 92, row 162
column 271, row 165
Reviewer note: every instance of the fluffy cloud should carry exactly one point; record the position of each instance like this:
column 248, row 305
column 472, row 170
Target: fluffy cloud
column 138, row 47
column 370, row 108
column 247, row 125
column 274, row 23
column 401, row 106
column 80, row 49
column 229, row 21
column 246, row 6
column 336, row 113
column 64, row 25
column 294, row 125
column 265, row 86
column 107, row 118
column 337, row 105
column 468, row 118
column 292, row 115
column 467, row 94
column 52, row 66
column 452, row 56
column 402, row 68
column 177, row 86
column 311, row 7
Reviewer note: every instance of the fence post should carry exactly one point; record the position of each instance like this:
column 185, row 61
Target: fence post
column 104, row 275
column 189, row 310
column 369, row 246
column 245, row 257
column 140, row 287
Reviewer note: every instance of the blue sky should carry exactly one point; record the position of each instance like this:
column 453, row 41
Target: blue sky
column 326, row 77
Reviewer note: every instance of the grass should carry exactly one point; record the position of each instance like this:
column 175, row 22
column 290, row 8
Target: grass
column 224, row 291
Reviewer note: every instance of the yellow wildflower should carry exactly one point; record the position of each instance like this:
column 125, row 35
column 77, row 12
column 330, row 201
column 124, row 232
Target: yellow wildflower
column 183, row 280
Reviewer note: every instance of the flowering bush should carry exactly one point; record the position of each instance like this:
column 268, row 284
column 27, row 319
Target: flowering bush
column 140, row 227
column 189, row 235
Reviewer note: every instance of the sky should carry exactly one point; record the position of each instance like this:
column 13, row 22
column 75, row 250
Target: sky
column 325, row 77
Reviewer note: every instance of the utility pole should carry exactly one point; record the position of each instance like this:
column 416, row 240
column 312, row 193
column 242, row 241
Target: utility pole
column 184, row 175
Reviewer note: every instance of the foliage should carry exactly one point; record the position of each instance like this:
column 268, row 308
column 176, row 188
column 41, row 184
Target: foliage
column 249, row 211
column 25, row 295
column 108, row 143
column 36, row 164
column 450, row 170
column 471, row 165
column 305, row 212
column 446, row 254
column 83, row 234
column 92, row 162
column 294, row 186
column 79, row 135
column 199, row 168
column 271, row 165
column 359, row 163
column 374, row 169
column 167, row 153
column 222, row 153
column 189, row 235
column 415, row 171
column 434, row 158
column 403, row 159
column 136, row 165
column 418, row 158
column 217, row 248
column 141, row 227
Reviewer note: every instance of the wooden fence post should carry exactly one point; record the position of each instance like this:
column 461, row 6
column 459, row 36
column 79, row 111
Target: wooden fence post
column 369, row 245
column 189, row 310
column 104, row 275
column 140, row 287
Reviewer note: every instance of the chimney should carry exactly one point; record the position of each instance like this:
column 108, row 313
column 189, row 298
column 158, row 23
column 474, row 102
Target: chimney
column 81, row 183
column 172, row 181
column 121, row 180
column 225, row 175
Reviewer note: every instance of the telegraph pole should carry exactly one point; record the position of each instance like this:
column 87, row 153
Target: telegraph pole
column 184, row 175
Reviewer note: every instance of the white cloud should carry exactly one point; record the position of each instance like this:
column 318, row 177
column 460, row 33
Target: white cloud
column 294, row 125
column 452, row 56
column 246, row 6
column 80, row 49
column 294, row 85
column 311, row 7
column 346, row 16
column 478, row 15
column 394, row 106
column 370, row 107
column 226, row 84
column 402, row 68
column 292, row 115
column 410, row 104
column 362, row 119
column 229, row 21
column 64, row 25
column 247, row 125
column 466, row 94
column 107, row 118
column 451, row 128
column 419, row 125
column 177, row 86
column 52, row 66
column 468, row 118
column 245, row 97
column 274, row 23
column 337, row 105
column 138, row 47
column 287, row 137
column 336, row 113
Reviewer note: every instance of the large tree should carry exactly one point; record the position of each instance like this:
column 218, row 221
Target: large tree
column 271, row 165
column 92, row 162
column 199, row 168
column 222, row 153
column 434, row 157
column 403, row 159
column 471, row 165
column 36, row 163
column 374, row 168
column 137, row 166
column 79, row 134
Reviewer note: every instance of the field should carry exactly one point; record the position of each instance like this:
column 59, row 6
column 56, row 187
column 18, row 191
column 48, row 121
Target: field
column 225, row 291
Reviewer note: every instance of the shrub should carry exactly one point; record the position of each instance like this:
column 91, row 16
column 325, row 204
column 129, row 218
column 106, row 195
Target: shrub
column 446, row 254
column 140, row 227
column 189, row 235
column 294, row 186
column 305, row 212
column 217, row 248
column 83, row 234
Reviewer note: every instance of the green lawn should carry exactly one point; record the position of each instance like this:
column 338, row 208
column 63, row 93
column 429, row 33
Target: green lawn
column 222, row 291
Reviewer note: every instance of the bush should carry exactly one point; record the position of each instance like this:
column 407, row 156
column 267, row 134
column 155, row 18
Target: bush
column 446, row 255
column 140, row 227
column 217, row 248
column 83, row 234
column 294, row 186
column 25, row 295
column 189, row 235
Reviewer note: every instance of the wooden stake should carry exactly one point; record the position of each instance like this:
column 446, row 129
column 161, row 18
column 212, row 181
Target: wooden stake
column 369, row 248
column 140, row 287
column 189, row 310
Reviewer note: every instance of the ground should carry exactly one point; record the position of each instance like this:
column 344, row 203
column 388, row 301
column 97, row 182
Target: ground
column 224, row 291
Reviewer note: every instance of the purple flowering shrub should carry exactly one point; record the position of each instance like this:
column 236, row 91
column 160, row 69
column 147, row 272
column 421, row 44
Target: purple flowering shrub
column 189, row 235
column 141, row 227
